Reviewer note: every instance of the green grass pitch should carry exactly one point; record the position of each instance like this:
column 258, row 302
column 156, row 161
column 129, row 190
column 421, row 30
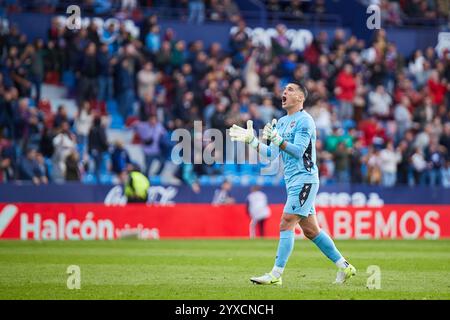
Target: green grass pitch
column 218, row 269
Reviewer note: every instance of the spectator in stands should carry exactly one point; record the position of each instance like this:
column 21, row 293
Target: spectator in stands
column 73, row 172
column 153, row 40
column 337, row 136
column 419, row 166
column 295, row 9
column 379, row 103
column 345, row 91
column 89, row 72
column 97, row 145
column 221, row 196
column 273, row 5
column 255, row 115
column 7, row 161
column 234, row 116
column 437, row 88
column 64, row 143
column 196, row 11
column 356, row 162
column 391, row 13
column 374, row 174
column 92, row 34
column 150, row 133
column 104, row 74
column 416, row 65
column 46, row 147
column 231, row 10
column 83, row 123
column 61, row 116
column 125, row 88
column 147, row 80
column 53, row 62
column 342, row 159
column 35, row 54
column 239, row 39
column 29, row 169
column 218, row 119
column 251, row 76
column 267, row 110
column 120, row 159
column 435, row 162
column 128, row 5
column 22, row 117
column 322, row 117
column 389, row 159
column 280, row 43
column 424, row 137
column 403, row 117
column 110, row 37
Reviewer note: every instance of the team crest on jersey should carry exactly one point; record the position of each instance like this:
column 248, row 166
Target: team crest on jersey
column 292, row 123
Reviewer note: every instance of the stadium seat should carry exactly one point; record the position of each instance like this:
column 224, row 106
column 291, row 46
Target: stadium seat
column 246, row 169
column 68, row 79
column 106, row 178
column 229, row 169
column 89, row 178
column 111, row 106
column 245, row 180
column 204, row 180
column 106, row 163
column 217, row 180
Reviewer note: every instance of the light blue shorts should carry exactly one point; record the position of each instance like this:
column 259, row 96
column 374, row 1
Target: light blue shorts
column 301, row 199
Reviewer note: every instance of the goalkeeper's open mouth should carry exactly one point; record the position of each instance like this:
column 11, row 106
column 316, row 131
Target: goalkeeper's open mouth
column 283, row 99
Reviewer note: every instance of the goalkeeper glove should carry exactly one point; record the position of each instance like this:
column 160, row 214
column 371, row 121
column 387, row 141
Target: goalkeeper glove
column 270, row 132
column 245, row 135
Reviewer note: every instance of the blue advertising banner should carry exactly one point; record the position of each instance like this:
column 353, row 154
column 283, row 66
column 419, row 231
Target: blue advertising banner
column 407, row 39
column 333, row 196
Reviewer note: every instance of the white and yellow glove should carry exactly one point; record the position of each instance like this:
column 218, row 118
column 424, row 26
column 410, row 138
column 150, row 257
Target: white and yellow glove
column 245, row 135
column 270, row 133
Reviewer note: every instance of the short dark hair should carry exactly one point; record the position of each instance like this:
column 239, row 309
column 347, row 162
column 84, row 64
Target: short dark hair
column 302, row 88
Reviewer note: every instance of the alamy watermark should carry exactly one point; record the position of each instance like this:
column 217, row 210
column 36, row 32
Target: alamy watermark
column 374, row 279
column 74, row 278
column 73, row 21
column 374, row 20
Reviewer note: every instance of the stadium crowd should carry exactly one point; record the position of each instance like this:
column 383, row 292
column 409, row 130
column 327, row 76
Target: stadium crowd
column 382, row 118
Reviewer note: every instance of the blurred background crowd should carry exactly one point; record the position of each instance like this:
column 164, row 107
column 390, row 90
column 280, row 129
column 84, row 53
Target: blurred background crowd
column 382, row 118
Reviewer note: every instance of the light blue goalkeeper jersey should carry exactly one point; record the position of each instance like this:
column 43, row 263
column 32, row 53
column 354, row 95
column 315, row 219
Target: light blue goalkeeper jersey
column 299, row 157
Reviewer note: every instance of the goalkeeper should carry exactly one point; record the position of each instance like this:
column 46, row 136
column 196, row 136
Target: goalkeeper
column 295, row 135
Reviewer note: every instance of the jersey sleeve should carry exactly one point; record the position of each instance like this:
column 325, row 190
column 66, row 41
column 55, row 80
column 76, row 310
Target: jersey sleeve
column 302, row 138
column 269, row 152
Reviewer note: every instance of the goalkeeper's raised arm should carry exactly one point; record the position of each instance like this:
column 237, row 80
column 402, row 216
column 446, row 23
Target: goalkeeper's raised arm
column 271, row 133
column 247, row 135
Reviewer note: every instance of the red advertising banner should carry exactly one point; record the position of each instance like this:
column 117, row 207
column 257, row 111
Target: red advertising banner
column 42, row 221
